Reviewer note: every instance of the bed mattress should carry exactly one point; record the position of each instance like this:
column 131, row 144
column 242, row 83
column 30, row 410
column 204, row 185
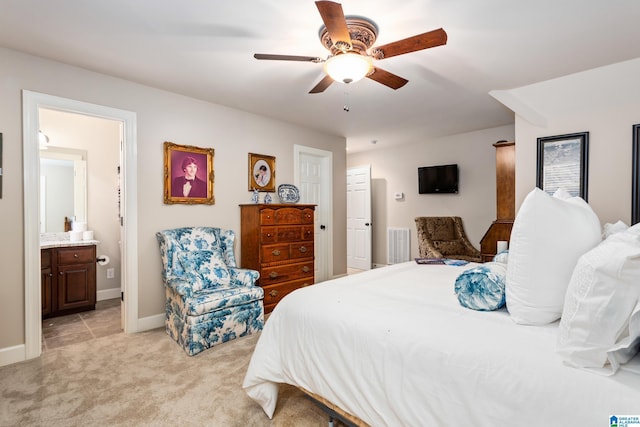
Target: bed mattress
column 393, row 347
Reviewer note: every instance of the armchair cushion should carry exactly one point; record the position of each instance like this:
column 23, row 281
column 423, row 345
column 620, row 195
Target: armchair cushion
column 211, row 300
column 208, row 266
column 450, row 247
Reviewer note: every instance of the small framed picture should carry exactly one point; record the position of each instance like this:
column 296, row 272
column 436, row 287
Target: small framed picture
column 563, row 162
column 262, row 172
column 188, row 174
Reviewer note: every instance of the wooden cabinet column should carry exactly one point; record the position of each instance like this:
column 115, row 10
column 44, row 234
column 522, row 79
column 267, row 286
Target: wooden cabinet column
column 500, row 229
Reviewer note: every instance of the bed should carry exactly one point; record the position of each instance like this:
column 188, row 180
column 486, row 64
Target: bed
column 394, row 346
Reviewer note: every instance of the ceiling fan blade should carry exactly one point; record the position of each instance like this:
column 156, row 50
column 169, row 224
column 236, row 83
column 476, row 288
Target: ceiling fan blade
column 421, row 41
column 287, row 57
column 322, row 85
column 388, row 79
column 333, row 18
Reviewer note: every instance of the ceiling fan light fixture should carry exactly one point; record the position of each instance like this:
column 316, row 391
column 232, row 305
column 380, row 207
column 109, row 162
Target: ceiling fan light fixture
column 348, row 67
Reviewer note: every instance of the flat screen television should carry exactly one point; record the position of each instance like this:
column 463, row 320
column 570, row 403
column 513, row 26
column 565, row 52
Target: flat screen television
column 438, row 179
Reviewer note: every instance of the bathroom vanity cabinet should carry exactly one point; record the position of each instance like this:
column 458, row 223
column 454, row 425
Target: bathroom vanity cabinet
column 68, row 280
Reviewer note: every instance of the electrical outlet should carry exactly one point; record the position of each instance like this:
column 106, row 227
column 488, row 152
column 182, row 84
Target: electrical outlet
column 111, row 273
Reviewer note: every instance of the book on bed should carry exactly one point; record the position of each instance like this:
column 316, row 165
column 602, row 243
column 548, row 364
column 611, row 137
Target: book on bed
column 440, row 261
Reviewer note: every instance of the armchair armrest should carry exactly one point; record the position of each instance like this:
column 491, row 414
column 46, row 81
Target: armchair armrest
column 182, row 285
column 243, row 276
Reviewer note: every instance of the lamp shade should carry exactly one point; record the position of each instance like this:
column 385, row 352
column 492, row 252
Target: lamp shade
column 348, row 67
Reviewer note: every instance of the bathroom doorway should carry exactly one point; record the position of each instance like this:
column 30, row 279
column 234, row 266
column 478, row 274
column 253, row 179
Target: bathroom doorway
column 87, row 194
column 32, row 103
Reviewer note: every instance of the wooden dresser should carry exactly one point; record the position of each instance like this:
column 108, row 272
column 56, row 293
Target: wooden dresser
column 500, row 229
column 277, row 240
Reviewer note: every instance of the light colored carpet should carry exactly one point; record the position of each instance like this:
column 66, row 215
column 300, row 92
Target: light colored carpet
column 143, row 379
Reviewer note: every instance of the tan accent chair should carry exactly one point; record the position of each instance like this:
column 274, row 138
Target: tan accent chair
column 444, row 237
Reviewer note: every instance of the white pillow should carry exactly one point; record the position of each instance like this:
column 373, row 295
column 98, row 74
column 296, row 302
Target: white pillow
column 610, row 229
column 602, row 294
column 629, row 346
column 549, row 235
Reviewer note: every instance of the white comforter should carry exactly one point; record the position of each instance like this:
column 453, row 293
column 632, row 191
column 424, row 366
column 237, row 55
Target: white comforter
column 394, row 347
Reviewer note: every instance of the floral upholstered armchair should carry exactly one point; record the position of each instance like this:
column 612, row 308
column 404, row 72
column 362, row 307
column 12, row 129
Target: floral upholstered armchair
column 209, row 299
column 444, row 237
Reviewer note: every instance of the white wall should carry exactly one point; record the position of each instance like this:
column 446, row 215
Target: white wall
column 604, row 102
column 161, row 116
column 396, row 170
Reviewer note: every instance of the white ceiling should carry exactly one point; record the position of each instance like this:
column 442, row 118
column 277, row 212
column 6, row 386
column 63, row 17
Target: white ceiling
column 204, row 49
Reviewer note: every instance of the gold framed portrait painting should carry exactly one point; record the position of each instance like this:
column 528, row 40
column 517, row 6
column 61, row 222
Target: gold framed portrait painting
column 262, row 172
column 188, row 174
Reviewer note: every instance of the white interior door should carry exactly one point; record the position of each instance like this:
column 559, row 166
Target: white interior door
column 313, row 169
column 359, row 217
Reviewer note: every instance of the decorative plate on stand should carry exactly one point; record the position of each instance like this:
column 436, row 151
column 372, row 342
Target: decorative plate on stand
column 288, row 193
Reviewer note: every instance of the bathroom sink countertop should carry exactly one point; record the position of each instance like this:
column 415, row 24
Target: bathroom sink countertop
column 59, row 240
column 63, row 243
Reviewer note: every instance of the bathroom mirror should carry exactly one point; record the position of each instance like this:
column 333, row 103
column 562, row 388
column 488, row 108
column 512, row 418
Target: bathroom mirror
column 63, row 187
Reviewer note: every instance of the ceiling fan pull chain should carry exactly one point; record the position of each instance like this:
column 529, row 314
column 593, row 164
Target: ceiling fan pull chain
column 346, row 101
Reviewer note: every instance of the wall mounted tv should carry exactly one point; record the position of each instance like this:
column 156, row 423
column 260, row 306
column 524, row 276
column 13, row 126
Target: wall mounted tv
column 438, row 179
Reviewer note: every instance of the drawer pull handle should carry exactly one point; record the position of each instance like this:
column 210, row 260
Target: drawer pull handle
column 273, row 293
column 268, row 234
column 75, row 255
column 305, row 269
column 276, row 253
column 273, row 274
column 61, row 273
column 303, row 249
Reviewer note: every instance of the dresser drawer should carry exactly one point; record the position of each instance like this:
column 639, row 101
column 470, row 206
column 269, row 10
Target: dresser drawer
column 286, row 216
column 307, row 232
column 76, row 255
column 274, row 253
column 301, row 250
column 283, row 273
column 274, row 293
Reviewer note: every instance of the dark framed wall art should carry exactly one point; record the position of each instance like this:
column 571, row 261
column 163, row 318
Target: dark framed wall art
column 635, row 176
column 188, row 174
column 563, row 162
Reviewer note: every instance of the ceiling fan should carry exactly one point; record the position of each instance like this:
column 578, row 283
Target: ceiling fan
column 349, row 41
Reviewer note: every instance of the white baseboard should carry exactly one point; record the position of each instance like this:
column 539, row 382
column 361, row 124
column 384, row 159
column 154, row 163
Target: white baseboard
column 108, row 294
column 151, row 322
column 11, row 355
column 376, row 265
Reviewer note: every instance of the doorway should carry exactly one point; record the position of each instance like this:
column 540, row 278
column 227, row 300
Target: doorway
column 359, row 218
column 32, row 102
column 79, row 163
column 313, row 169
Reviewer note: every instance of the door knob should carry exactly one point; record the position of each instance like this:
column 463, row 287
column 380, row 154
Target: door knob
column 367, row 224
column 322, row 227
